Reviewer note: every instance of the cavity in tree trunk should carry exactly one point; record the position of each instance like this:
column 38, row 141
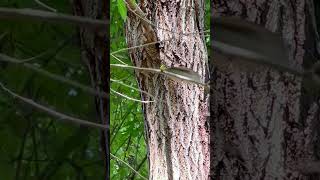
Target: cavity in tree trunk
column 175, row 124
column 263, row 125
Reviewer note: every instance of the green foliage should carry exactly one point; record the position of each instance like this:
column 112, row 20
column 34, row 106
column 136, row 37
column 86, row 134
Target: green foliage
column 122, row 9
column 126, row 119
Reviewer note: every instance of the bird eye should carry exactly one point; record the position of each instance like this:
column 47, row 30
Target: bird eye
column 157, row 45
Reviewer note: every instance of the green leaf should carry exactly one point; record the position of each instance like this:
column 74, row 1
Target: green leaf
column 122, row 9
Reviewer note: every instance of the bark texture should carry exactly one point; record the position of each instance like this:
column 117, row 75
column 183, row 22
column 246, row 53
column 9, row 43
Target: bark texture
column 259, row 130
column 95, row 54
column 175, row 125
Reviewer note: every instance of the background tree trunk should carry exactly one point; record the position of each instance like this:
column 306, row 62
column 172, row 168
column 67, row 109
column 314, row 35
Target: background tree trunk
column 175, row 125
column 95, row 54
column 258, row 129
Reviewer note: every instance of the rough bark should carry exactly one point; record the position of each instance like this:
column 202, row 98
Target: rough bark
column 175, row 125
column 95, row 54
column 259, row 129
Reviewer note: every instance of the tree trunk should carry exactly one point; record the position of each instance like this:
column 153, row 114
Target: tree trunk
column 175, row 124
column 263, row 126
column 95, row 54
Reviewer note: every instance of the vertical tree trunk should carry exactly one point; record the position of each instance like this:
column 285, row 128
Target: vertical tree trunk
column 175, row 124
column 95, row 54
column 258, row 129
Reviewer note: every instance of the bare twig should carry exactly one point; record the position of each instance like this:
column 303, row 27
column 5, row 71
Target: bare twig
column 45, row 6
column 118, row 59
column 52, row 112
column 136, row 89
column 137, row 68
column 129, row 98
column 140, row 165
column 3, row 35
column 139, row 46
column 34, row 57
column 38, row 15
column 118, row 159
column 164, row 72
column 62, row 79
column 53, row 52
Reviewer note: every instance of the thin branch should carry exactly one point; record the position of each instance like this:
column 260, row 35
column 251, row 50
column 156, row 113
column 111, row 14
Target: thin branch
column 34, row 57
column 45, row 6
column 61, row 79
column 139, row 166
column 164, row 72
column 22, row 150
column 118, row 159
column 118, row 59
column 117, row 126
column 137, row 68
column 129, row 98
column 35, row 149
column 39, row 15
column 52, row 112
column 53, row 52
column 3, row 35
column 140, row 46
column 131, row 87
